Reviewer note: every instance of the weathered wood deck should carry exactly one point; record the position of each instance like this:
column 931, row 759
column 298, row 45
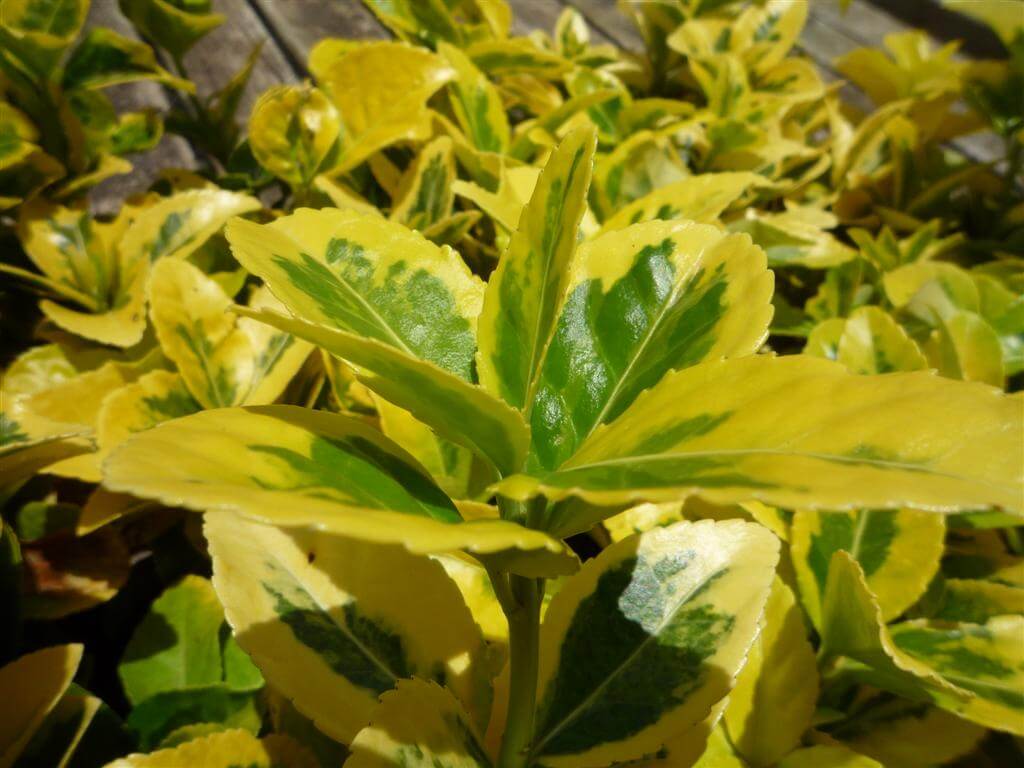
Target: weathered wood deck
column 289, row 29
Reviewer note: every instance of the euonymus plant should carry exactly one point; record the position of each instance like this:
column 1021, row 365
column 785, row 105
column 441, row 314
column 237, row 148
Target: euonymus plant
column 581, row 378
column 553, row 405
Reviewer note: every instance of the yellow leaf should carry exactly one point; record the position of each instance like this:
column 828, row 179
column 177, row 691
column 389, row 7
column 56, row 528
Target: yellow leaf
column 334, row 622
column 32, row 686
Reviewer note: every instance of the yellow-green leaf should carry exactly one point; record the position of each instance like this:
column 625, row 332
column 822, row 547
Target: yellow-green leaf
column 333, row 622
column 17, row 136
column 986, row 660
column 976, row 601
column 852, row 625
column 965, row 346
column 395, row 81
column 225, row 749
column 699, row 198
column 105, row 58
column 174, row 26
column 768, row 429
column 776, row 692
column 425, row 195
column 33, row 684
column 827, row 756
column 189, row 313
column 357, row 273
column 459, row 411
column 647, row 637
column 292, row 130
column 640, row 302
column 518, row 314
column 476, row 103
column 418, row 725
column 177, row 225
column 898, row 550
column 868, row 341
column 294, row 467
column 908, row 734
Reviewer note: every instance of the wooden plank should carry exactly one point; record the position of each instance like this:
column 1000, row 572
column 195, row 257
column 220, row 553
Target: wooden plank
column 297, row 25
column 171, row 152
column 609, row 23
column 528, row 15
column 831, row 33
column 943, row 24
column 215, row 59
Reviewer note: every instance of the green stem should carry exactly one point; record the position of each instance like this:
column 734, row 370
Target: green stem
column 524, row 642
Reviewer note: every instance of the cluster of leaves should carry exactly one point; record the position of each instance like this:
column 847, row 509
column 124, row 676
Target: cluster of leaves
column 506, row 304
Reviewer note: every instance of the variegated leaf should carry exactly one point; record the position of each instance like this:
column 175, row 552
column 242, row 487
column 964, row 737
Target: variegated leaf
column 348, row 271
column 908, row 734
column 450, row 465
column 457, row 410
column 777, row 690
column 425, row 196
column 295, row 467
column 699, row 198
column 827, row 756
column 292, row 131
column 33, row 684
column 390, row 105
column 898, row 550
column 966, row 347
column 517, row 55
column 518, row 314
column 647, row 637
column 189, row 313
column 177, row 225
column 852, row 625
column 767, row 429
column 797, row 236
column 868, row 341
column 976, row 601
column 225, row 749
column 418, row 725
column 634, row 169
column 173, row 26
column 17, row 136
column 640, row 302
column 986, row 660
column 334, row 622
column 476, row 103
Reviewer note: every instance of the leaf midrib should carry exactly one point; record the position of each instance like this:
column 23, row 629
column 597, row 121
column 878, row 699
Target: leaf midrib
column 592, row 696
column 776, row 452
column 342, row 626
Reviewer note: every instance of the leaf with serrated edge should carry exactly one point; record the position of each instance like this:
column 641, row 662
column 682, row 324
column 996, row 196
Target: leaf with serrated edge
column 899, row 551
column 647, row 637
column 332, row 622
column 986, row 660
column 852, row 625
column 776, row 692
column 769, row 429
column 418, row 725
column 293, row 467
column 374, row 278
column 640, row 302
column 518, row 314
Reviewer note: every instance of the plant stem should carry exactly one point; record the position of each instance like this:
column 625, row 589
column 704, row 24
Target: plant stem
column 524, row 641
